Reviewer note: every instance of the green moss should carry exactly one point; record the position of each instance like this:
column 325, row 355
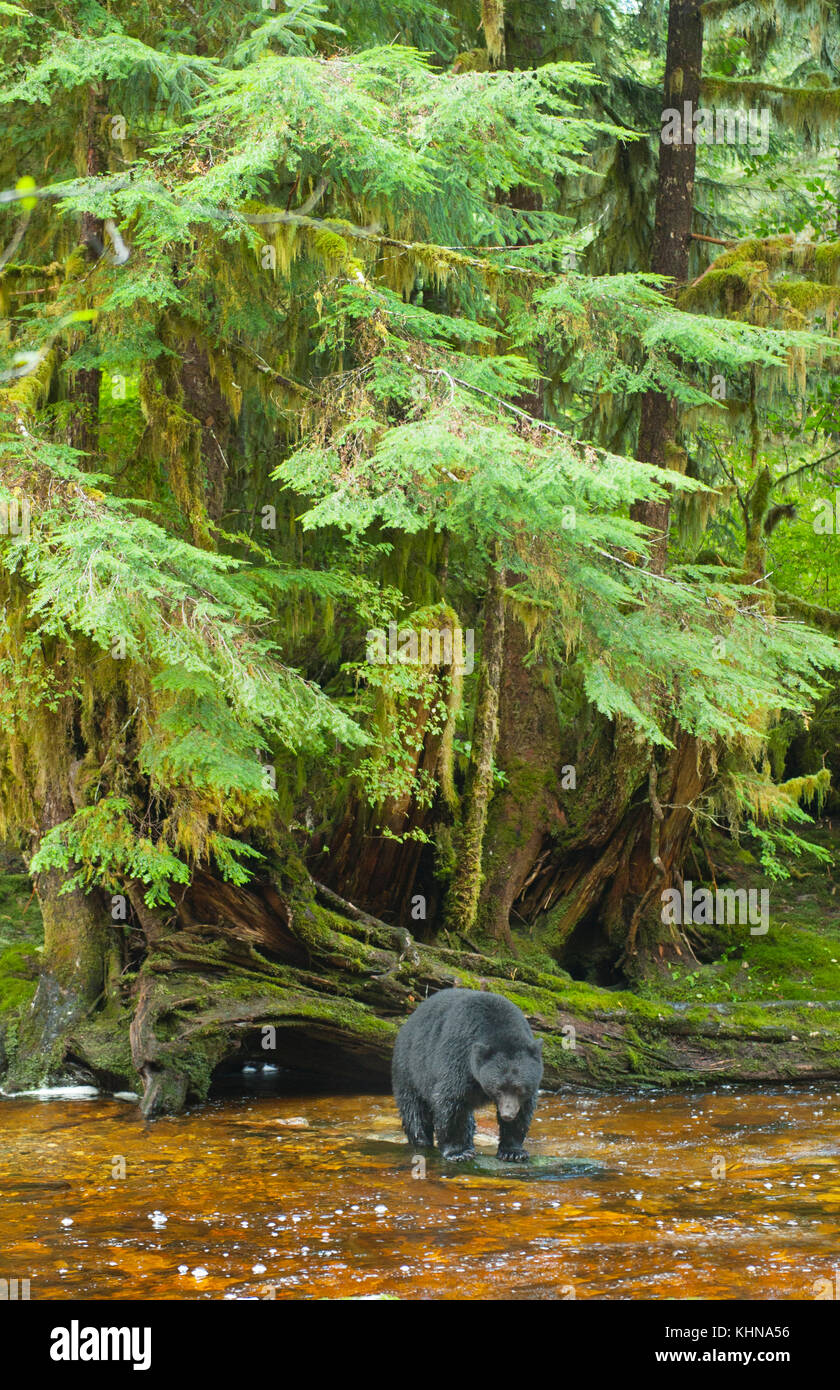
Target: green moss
column 19, row 966
column 794, row 962
column 20, row 915
column 767, row 250
column 729, row 284
column 473, row 60
column 804, row 295
column 827, row 260
column 103, row 1043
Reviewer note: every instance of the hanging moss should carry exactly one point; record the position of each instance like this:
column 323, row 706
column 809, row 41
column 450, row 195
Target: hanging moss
column 493, row 23
column 815, row 108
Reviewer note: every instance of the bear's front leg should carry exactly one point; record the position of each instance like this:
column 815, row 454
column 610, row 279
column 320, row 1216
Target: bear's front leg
column 512, row 1137
column 455, row 1129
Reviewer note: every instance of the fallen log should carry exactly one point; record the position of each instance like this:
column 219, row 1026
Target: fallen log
column 327, row 1005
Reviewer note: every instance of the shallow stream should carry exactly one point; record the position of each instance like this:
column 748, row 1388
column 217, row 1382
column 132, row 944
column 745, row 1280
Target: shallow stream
column 725, row 1194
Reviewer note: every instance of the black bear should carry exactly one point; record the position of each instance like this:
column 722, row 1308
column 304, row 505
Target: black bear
column 459, row 1049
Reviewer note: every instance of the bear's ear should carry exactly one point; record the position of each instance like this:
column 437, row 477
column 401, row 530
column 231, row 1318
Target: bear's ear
column 538, row 1042
column 481, row 1053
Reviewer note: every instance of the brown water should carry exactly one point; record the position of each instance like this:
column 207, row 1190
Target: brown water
column 730, row 1194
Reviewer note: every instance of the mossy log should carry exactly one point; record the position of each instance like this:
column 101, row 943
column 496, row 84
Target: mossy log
column 296, row 983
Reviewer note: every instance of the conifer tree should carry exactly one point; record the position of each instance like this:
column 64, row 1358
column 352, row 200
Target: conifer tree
column 303, row 341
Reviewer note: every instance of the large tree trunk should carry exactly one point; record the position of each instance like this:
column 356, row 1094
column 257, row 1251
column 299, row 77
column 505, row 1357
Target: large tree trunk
column 188, row 408
column 586, row 834
column 549, row 802
column 618, row 888
column 77, row 939
column 621, row 886
column 558, row 830
column 77, row 935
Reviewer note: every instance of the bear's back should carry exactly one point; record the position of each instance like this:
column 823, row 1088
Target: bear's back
column 443, row 1029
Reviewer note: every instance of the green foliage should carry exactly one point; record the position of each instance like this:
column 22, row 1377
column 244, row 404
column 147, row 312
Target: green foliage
column 101, row 841
column 397, row 298
column 176, row 635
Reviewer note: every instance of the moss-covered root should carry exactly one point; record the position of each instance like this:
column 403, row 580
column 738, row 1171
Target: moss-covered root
column 206, row 994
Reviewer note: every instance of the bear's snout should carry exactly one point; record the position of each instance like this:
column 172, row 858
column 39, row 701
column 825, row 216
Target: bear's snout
column 508, row 1105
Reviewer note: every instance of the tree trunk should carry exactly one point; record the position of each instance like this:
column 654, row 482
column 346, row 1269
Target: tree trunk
column 462, row 900
column 618, row 891
column 554, row 810
column 672, row 240
column 84, row 426
column 77, row 935
column 529, row 811
column 622, row 887
column 547, row 839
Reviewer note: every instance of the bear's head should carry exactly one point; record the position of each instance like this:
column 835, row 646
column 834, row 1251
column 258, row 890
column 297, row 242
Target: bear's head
column 508, row 1077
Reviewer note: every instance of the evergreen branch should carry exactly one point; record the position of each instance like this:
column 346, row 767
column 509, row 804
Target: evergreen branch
column 806, row 467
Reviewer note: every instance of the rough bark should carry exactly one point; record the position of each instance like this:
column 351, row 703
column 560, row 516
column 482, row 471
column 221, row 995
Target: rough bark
column 528, row 812
column 624, row 882
column 84, row 425
column 73, row 975
column 205, row 402
column 671, row 241
column 462, row 899
column 77, row 936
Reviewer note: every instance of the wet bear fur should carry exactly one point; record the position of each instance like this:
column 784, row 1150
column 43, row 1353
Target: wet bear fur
column 460, row 1049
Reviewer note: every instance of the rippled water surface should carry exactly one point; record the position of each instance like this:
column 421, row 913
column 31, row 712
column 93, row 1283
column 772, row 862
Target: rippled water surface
column 730, row 1194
